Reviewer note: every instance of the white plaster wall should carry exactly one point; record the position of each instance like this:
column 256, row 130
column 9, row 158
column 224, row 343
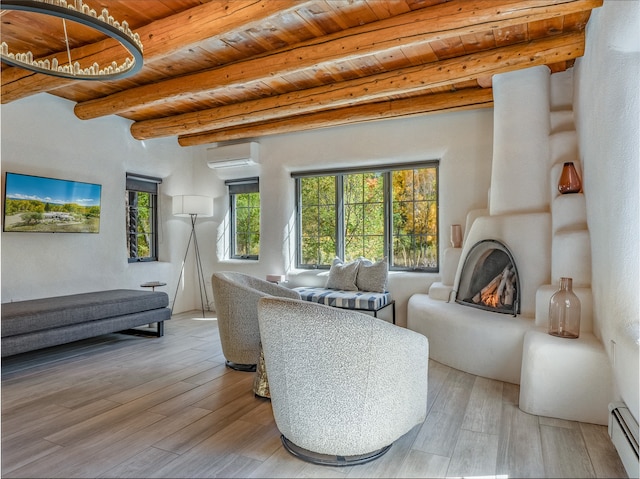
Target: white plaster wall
column 607, row 106
column 462, row 141
column 41, row 136
column 519, row 180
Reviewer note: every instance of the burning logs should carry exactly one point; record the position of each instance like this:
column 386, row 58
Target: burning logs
column 500, row 290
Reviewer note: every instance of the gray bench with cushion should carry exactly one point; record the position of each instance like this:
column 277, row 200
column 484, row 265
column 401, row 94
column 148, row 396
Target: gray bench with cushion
column 40, row 323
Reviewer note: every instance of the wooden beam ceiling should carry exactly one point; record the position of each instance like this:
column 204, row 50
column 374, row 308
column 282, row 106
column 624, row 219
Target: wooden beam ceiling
column 368, row 89
column 227, row 70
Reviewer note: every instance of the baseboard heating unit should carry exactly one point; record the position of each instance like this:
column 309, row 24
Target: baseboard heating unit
column 623, row 430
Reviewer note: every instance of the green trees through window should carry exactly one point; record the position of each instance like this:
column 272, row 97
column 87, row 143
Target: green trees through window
column 244, row 200
column 142, row 204
column 318, row 220
column 390, row 213
column 247, row 225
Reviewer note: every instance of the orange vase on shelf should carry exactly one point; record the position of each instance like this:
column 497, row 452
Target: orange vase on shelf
column 569, row 179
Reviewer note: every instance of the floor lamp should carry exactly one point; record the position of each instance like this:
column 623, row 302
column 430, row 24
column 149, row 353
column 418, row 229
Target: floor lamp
column 193, row 206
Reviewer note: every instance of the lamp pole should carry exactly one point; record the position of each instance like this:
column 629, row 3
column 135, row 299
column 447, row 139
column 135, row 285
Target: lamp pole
column 200, row 272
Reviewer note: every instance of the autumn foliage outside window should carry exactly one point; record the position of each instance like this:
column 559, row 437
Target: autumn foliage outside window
column 387, row 212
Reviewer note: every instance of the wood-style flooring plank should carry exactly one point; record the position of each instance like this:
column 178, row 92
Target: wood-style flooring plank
column 168, row 378
column 391, row 462
column 485, row 407
column 196, row 395
column 437, row 377
column 190, row 436
column 213, row 454
column 475, row 454
column 439, row 432
column 280, row 465
column 520, row 446
column 561, row 443
column 420, row 464
column 604, row 458
column 120, row 417
column 136, row 407
column 139, row 465
column 25, row 452
column 14, row 433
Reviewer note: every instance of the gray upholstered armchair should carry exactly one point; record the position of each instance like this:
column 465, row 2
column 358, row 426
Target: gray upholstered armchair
column 344, row 385
column 236, row 298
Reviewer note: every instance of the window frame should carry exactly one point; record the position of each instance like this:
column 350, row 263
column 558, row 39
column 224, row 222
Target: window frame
column 237, row 187
column 387, row 171
column 136, row 184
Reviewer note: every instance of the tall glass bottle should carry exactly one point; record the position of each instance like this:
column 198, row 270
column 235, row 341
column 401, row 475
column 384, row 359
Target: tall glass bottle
column 564, row 311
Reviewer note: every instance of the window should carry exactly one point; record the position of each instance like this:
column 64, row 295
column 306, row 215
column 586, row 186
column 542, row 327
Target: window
column 244, row 201
column 390, row 212
column 142, row 217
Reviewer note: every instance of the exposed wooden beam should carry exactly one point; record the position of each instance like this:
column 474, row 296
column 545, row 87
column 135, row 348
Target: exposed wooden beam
column 369, row 89
column 160, row 38
column 425, row 104
column 438, row 22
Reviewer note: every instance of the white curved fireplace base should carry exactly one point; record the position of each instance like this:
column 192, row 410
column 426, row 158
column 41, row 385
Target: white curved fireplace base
column 473, row 340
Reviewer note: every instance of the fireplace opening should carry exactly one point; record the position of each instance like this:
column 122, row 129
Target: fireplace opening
column 489, row 279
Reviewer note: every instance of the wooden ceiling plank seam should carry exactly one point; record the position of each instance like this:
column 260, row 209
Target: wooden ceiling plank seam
column 467, row 99
column 510, row 35
column 538, row 52
column 310, row 21
column 307, row 55
column 389, row 9
column 342, row 18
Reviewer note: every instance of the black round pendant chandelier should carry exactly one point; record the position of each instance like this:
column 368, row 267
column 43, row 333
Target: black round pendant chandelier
column 79, row 12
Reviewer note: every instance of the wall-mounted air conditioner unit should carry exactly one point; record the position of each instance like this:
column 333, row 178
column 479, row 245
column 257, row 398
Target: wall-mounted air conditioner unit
column 231, row 156
column 623, row 430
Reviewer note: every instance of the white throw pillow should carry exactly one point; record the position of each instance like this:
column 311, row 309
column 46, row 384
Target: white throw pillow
column 343, row 275
column 372, row 276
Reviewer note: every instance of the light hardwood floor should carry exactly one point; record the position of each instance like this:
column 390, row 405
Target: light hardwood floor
column 129, row 406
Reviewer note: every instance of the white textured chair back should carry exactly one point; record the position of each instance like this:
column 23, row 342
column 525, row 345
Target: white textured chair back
column 236, row 298
column 342, row 383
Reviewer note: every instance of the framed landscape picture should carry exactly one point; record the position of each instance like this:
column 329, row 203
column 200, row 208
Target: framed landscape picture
column 50, row 205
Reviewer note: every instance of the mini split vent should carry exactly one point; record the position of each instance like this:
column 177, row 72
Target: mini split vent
column 232, row 156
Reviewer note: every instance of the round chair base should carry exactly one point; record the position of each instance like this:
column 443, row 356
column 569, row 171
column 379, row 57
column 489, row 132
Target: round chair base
column 249, row 368
column 329, row 460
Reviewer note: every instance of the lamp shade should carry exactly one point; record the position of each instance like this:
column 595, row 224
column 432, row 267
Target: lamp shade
column 187, row 205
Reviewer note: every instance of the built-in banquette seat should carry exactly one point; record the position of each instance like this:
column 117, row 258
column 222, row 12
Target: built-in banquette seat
column 359, row 285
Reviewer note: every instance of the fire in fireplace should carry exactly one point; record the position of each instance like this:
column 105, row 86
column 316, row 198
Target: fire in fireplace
column 489, row 279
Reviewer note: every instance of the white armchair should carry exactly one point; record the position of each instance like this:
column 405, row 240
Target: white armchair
column 344, row 385
column 236, row 298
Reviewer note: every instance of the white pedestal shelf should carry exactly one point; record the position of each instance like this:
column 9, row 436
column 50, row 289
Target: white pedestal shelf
column 565, row 378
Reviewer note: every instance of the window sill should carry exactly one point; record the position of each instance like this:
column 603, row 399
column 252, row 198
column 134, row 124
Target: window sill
column 318, row 278
column 239, row 260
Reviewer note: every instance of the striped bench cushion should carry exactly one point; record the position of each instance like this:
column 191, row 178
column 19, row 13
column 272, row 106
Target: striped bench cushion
column 345, row 299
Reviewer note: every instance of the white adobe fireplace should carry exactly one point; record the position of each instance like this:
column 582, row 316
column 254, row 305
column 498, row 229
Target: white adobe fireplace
column 489, row 279
column 546, row 237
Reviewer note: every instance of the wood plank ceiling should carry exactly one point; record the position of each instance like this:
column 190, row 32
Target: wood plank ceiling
column 224, row 70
